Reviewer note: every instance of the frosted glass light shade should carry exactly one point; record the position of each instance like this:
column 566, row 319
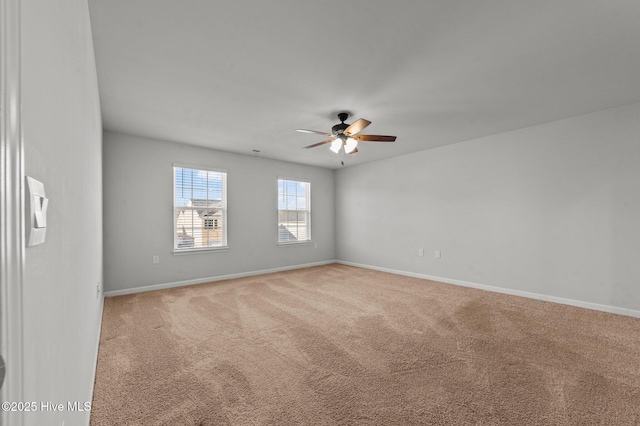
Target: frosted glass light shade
column 336, row 145
column 350, row 145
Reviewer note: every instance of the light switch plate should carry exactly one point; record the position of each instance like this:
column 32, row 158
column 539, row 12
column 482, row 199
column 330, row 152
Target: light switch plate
column 36, row 205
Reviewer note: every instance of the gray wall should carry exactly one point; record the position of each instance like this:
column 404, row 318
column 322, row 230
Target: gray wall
column 63, row 136
column 552, row 209
column 138, row 214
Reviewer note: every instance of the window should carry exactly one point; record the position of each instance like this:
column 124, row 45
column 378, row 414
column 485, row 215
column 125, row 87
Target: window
column 200, row 209
column 294, row 211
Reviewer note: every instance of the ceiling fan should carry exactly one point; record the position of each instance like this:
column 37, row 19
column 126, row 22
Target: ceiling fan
column 346, row 135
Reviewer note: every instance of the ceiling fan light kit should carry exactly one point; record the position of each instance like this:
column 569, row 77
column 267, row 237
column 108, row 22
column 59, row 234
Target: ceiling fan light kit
column 336, row 145
column 345, row 136
column 350, row 146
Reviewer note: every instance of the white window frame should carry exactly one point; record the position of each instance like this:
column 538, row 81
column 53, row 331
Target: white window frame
column 225, row 204
column 307, row 210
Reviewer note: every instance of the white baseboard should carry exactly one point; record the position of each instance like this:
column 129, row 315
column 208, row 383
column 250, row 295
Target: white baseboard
column 95, row 363
column 536, row 296
column 211, row 279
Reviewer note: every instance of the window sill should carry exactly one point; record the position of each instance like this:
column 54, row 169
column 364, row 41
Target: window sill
column 199, row 250
column 295, row 243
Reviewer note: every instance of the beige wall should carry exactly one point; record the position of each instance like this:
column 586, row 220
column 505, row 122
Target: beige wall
column 62, row 137
column 139, row 172
column 551, row 209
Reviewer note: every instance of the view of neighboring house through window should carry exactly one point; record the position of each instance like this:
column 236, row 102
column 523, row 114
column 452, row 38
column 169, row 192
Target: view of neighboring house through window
column 294, row 211
column 200, row 208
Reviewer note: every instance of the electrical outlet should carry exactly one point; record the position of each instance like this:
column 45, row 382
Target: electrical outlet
column 420, row 252
column 438, row 254
column 155, row 259
column 98, row 290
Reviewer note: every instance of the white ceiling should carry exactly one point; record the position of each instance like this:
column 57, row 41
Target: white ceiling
column 241, row 75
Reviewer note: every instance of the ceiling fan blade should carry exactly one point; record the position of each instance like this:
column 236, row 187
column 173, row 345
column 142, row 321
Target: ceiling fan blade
column 356, row 127
column 318, row 144
column 315, row 132
column 374, row 138
column 354, row 151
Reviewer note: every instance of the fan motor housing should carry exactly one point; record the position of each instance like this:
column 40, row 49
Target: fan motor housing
column 338, row 129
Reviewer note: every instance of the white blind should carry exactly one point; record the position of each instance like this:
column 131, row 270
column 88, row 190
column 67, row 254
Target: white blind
column 294, row 211
column 200, row 208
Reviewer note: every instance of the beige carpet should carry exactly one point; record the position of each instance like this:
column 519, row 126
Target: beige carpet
column 341, row 345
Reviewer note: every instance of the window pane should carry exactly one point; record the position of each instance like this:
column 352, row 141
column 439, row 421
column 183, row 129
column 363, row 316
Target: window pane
column 200, row 208
column 294, row 224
